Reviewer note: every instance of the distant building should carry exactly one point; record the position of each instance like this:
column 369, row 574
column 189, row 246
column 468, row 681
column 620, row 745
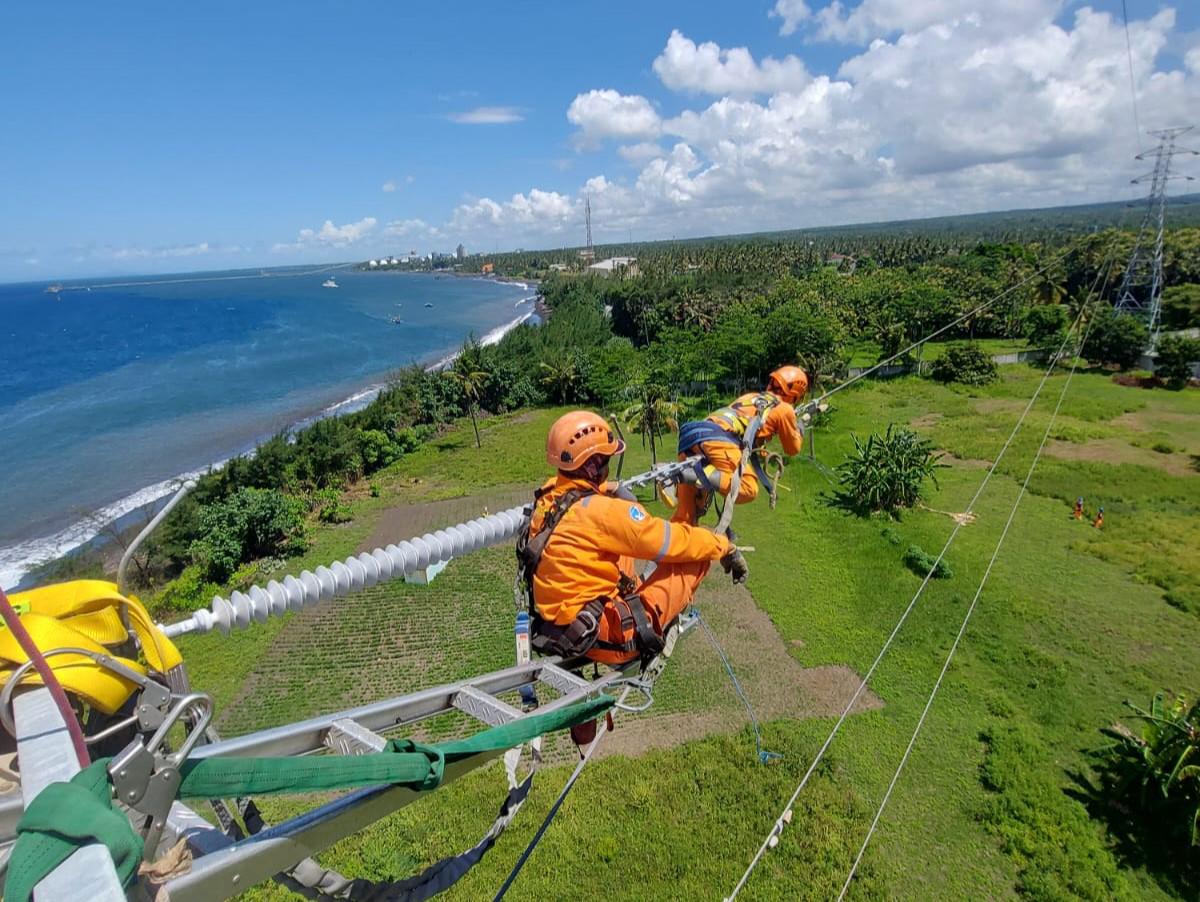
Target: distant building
column 488, row 268
column 372, row 263
column 460, row 252
column 392, row 261
column 615, row 266
column 842, row 261
column 558, row 267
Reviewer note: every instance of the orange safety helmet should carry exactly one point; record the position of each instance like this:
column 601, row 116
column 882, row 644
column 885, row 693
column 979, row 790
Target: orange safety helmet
column 789, row 382
column 577, row 436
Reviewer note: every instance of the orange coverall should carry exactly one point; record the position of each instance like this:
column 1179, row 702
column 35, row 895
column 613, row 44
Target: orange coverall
column 723, row 457
column 601, row 537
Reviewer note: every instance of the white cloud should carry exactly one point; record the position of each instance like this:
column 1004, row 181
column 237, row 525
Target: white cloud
column 708, row 69
column 411, row 228
column 950, row 108
column 389, row 186
column 179, row 250
column 331, row 236
column 487, row 115
column 547, row 210
column 640, row 152
column 793, row 12
column 879, row 18
column 609, row 114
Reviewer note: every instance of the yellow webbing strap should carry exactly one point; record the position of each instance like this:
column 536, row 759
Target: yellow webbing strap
column 86, row 614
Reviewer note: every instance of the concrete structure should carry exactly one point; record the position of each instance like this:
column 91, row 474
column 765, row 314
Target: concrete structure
column 460, row 252
column 626, row 266
column 372, row 263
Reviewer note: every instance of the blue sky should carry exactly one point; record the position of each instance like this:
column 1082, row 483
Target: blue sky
column 143, row 137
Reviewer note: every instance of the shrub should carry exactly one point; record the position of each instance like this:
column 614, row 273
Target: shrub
column 184, row 594
column 1046, row 325
column 922, row 563
column 967, row 363
column 330, row 507
column 1176, row 356
column 1156, row 770
column 887, row 472
column 251, row 523
column 1115, row 338
column 377, row 449
column 1163, row 448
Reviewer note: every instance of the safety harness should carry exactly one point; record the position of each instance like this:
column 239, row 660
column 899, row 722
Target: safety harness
column 581, row 635
column 729, row 424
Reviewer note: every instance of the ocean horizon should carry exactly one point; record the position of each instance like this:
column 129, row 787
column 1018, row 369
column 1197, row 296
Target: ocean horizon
column 118, row 389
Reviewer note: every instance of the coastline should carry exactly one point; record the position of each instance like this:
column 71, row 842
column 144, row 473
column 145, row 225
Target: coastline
column 91, row 532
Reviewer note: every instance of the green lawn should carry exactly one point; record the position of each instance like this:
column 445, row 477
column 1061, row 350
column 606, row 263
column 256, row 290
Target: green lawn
column 1073, row 622
column 869, row 353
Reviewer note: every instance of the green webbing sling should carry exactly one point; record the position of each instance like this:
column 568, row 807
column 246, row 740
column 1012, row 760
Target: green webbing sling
column 67, row 816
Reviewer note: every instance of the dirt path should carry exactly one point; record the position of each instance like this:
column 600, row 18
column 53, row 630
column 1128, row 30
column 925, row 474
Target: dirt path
column 397, row 638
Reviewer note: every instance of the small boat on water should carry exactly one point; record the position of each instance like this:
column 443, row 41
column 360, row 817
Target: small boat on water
column 53, row 289
column 396, row 320
column 329, row 283
column 429, row 305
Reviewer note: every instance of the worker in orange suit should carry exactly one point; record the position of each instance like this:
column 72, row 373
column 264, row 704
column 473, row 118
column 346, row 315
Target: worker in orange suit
column 581, row 545
column 1079, row 508
column 719, row 439
column 1099, row 521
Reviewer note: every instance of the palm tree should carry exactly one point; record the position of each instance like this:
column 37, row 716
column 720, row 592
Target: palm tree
column 651, row 413
column 561, row 375
column 472, row 383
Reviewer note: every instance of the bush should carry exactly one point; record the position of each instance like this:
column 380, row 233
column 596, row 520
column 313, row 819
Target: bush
column 184, row 594
column 967, row 363
column 1181, row 306
column 1176, row 356
column 1046, row 326
column 252, row 523
column 1115, row 338
column 922, row 563
column 330, row 507
column 1156, row 770
column 887, row 472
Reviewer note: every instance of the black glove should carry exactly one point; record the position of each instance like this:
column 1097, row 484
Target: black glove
column 735, row 565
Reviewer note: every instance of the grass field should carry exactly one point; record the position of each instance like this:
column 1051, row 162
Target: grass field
column 1073, row 621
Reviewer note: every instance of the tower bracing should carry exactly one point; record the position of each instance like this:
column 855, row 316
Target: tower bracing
column 1142, row 284
column 588, row 253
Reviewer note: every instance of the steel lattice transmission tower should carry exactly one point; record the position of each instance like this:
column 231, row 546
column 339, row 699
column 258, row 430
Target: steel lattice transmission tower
column 588, row 253
column 1141, row 287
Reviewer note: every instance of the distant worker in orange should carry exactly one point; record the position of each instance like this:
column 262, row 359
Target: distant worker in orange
column 578, row 554
column 1079, row 508
column 1099, row 521
column 719, row 439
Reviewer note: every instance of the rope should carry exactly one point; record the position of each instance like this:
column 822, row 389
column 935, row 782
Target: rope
column 49, row 680
column 601, row 731
column 962, row 629
column 780, row 821
column 937, row 332
column 764, row 756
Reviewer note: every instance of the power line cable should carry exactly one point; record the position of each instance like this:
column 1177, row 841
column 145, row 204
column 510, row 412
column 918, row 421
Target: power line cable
column 962, row 629
column 784, row 817
column 1137, row 128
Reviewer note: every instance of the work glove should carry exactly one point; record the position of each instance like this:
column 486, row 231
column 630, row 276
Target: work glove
column 733, row 562
column 691, row 475
column 735, row 565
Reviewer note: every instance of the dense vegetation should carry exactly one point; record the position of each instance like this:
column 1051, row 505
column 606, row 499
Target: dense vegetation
column 702, row 320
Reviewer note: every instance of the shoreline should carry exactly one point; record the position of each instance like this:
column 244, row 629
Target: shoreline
column 25, row 557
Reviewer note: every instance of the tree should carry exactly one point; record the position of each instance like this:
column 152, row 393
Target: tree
column 250, row 524
column 1176, row 357
column 1181, row 306
column 652, row 413
column 1115, row 338
column 562, row 376
column 1046, row 326
column 470, row 376
column 964, row 362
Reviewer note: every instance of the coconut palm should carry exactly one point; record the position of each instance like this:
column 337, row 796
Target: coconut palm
column 651, row 413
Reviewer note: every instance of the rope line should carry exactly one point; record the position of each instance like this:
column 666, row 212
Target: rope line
column 764, row 756
column 963, row 628
column 780, row 822
column 601, row 731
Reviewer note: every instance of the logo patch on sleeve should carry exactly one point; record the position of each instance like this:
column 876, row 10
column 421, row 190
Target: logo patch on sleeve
column 636, row 514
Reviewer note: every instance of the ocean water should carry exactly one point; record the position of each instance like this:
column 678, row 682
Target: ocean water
column 108, row 395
